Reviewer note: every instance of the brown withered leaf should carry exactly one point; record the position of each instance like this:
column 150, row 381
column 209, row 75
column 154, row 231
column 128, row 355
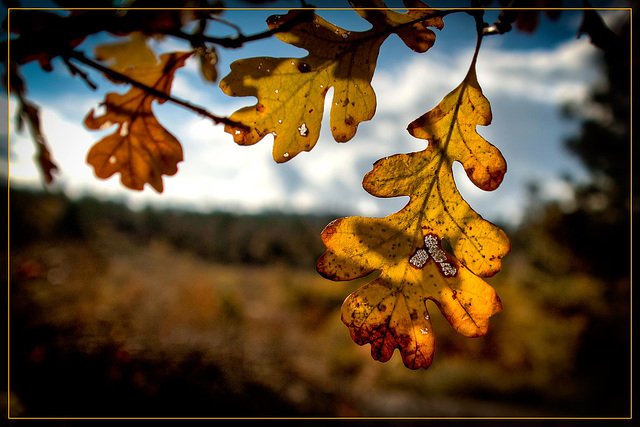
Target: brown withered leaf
column 140, row 148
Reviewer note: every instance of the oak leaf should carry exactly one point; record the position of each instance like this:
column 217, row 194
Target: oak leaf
column 140, row 149
column 407, row 247
column 291, row 91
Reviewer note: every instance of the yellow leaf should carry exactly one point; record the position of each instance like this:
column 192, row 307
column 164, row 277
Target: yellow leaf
column 483, row 162
column 407, row 247
column 133, row 52
column 291, row 91
column 140, row 149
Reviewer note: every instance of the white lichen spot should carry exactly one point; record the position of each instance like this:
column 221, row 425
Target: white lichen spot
column 285, row 155
column 106, row 125
column 419, row 258
column 448, row 269
column 433, row 246
column 280, row 121
column 303, row 130
column 276, row 91
column 345, row 35
column 237, row 132
column 424, row 331
column 112, row 160
column 426, row 317
column 274, row 133
column 321, row 86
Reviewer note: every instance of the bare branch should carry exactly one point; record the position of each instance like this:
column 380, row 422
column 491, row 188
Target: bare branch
column 117, row 76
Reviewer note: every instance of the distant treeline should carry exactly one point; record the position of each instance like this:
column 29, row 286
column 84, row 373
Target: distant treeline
column 225, row 237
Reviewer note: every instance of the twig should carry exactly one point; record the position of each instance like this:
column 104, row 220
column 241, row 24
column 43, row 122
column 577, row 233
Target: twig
column 241, row 39
column 237, row 29
column 78, row 72
column 117, row 76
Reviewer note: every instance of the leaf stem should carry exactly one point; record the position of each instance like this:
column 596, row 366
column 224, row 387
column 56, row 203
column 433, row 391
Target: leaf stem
column 480, row 32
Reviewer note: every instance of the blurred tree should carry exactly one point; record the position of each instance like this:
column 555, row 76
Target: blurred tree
column 592, row 236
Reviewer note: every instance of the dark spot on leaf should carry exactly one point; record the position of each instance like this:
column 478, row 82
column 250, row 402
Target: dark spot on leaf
column 303, row 67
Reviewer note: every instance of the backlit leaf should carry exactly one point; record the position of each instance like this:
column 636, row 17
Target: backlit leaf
column 140, row 149
column 407, row 247
column 291, row 91
column 122, row 55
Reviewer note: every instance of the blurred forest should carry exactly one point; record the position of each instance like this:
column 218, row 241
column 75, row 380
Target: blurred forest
column 151, row 313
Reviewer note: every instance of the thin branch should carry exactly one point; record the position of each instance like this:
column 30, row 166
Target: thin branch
column 78, row 72
column 117, row 76
column 239, row 40
column 237, row 29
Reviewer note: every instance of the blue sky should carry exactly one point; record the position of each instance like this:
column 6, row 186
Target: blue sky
column 527, row 78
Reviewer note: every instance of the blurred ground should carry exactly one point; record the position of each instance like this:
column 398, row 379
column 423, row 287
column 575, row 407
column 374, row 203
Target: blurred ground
column 120, row 313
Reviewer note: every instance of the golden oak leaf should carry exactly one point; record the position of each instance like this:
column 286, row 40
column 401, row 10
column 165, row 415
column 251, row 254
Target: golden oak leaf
column 140, row 149
column 291, row 91
column 406, row 247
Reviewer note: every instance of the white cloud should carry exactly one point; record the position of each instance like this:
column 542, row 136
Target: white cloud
column 548, row 76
